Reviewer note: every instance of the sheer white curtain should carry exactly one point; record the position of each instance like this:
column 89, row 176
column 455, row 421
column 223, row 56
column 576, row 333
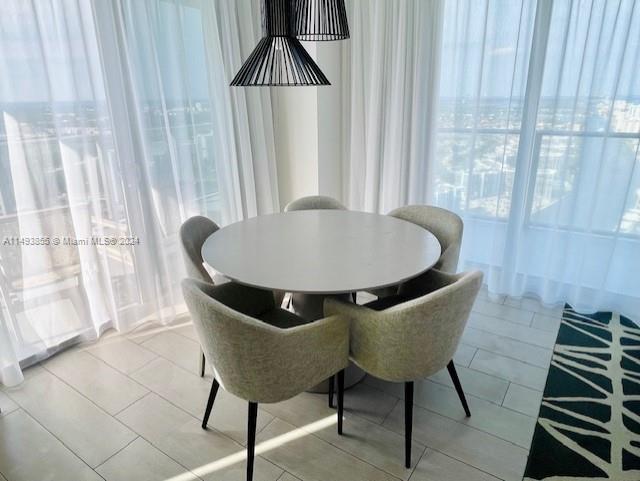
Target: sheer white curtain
column 535, row 144
column 390, row 81
column 117, row 123
column 538, row 147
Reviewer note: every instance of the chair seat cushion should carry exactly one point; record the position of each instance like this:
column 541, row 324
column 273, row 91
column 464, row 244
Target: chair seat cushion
column 282, row 318
column 386, row 302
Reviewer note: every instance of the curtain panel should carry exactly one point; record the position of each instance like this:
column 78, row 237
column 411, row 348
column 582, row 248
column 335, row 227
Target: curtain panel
column 390, row 80
column 533, row 137
column 117, row 123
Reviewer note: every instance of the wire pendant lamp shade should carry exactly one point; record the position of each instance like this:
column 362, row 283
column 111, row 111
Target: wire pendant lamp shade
column 321, row 20
column 279, row 59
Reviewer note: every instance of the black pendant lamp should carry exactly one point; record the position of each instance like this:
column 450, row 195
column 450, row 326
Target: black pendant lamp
column 321, row 20
column 279, row 59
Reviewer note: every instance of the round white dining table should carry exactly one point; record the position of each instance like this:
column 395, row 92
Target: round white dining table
column 319, row 253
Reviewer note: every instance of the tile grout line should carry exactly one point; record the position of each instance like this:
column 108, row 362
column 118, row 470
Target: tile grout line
column 505, row 394
column 56, row 438
column 467, row 464
column 509, row 380
column 512, row 338
column 427, row 447
column 309, row 433
column 457, row 421
column 104, row 411
column 189, row 413
column 77, row 392
column 158, row 355
column 506, row 298
column 220, row 433
column 475, row 350
column 118, row 451
column 184, row 410
column 284, row 470
column 258, row 431
column 180, row 408
column 122, row 372
column 448, row 387
column 187, row 337
column 474, row 370
column 391, row 410
column 415, row 465
column 455, row 459
column 330, row 443
column 473, row 359
column 115, row 415
column 507, row 321
column 118, row 421
column 527, row 387
column 128, row 374
column 140, row 436
column 44, row 366
column 505, row 355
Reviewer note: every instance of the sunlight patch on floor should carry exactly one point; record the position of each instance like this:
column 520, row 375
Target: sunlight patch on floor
column 262, row 447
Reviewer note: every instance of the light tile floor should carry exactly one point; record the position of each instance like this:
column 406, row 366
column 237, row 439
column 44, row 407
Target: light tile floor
column 129, row 408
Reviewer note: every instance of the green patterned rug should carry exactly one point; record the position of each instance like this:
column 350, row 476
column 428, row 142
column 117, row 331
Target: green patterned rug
column 589, row 422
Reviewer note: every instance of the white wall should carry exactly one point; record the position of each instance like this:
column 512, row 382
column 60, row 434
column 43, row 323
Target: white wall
column 330, row 121
column 295, row 124
column 307, row 131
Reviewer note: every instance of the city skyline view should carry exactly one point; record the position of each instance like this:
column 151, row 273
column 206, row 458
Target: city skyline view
column 477, row 143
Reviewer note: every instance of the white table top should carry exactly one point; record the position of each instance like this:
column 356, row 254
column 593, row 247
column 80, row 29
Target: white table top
column 321, row 251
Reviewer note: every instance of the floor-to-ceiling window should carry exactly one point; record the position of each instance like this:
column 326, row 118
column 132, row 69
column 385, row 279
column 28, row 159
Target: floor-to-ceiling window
column 523, row 116
column 116, row 124
column 537, row 145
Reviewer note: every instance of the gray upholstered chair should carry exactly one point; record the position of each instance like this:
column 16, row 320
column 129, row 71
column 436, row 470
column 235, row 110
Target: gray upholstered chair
column 447, row 226
column 193, row 232
column 412, row 336
column 262, row 353
column 314, row 202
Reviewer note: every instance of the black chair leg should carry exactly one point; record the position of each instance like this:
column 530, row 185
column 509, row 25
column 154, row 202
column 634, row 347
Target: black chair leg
column 212, row 398
column 355, row 297
column 340, row 400
column 251, row 438
column 203, row 363
column 456, row 382
column 331, row 388
column 408, row 422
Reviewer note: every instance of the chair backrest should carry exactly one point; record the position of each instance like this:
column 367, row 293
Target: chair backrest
column 419, row 337
column 447, row 226
column 254, row 360
column 313, row 202
column 193, row 232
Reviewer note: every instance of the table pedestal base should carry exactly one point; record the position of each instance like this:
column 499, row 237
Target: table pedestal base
column 352, row 376
column 310, row 306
